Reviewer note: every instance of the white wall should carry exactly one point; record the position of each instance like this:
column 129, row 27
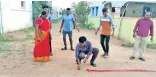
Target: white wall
column 14, row 17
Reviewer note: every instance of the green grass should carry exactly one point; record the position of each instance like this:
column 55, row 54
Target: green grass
column 10, row 38
column 87, row 26
column 4, row 47
column 28, row 37
column 7, row 38
column 41, row 63
column 152, row 46
column 27, row 30
column 21, row 52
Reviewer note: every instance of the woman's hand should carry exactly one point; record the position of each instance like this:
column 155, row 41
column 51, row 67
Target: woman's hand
column 38, row 38
column 51, row 38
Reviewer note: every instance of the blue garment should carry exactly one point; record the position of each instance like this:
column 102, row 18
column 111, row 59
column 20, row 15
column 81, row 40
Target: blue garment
column 86, row 49
column 67, row 32
column 49, row 17
column 68, row 22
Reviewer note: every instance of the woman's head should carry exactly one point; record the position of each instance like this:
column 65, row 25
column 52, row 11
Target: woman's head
column 44, row 15
column 105, row 11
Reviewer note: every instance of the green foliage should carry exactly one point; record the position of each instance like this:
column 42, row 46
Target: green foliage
column 82, row 11
column 7, row 38
column 62, row 11
column 56, row 20
column 37, row 7
column 152, row 46
column 28, row 37
column 26, row 30
column 4, row 46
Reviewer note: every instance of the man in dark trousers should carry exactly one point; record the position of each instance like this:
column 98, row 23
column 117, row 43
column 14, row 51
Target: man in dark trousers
column 107, row 24
column 67, row 24
column 83, row 51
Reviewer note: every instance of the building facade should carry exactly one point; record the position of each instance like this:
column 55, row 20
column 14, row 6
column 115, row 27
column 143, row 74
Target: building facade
column 138, row 9
column 15, row 15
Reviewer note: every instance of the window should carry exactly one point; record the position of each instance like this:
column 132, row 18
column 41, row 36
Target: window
column 96, row 11
column 93, row 11
column 23, row 4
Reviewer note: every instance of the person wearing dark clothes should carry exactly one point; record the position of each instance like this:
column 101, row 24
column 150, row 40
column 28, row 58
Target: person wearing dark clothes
column 107, row 24
column 83, row 50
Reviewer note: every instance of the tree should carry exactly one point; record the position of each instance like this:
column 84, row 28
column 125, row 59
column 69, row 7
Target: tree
column 37, row 7
column 82, row 11
column 62, row 11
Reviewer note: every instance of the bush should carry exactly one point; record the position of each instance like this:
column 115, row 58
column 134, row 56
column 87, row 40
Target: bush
column 82, row 11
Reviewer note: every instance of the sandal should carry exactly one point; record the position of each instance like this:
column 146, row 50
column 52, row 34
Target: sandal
column 51, row 54
column 72, row 49
column 65, row 48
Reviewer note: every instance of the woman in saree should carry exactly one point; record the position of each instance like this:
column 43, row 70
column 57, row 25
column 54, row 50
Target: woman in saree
column 42, row 38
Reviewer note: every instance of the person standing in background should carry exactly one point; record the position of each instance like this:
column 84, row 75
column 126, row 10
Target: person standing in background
column 67, row 25
column 74, row 19
column 46, row 9
column 140, row 33
column 42, row 38
column 107, row 24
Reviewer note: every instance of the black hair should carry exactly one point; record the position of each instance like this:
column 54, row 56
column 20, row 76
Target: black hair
column 82, row 39
column 45, row 6
column 43, row 13
column 105, row 10
column 68, row 9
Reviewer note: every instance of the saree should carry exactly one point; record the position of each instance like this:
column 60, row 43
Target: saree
column 42, row 47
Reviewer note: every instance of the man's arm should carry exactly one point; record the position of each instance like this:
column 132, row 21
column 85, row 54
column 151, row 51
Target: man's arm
column 90, row 50
column 136, row 27
column 74, row 22
column 77, row 54
column 152, row 31
column 62, row 24
column 113, row 25
column 49, row 17
column 77, row 57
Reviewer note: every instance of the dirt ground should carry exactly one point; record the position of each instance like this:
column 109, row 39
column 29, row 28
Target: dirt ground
column 19, row 63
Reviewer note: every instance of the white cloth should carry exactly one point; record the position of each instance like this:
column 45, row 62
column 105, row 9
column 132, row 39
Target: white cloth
column 142, row 42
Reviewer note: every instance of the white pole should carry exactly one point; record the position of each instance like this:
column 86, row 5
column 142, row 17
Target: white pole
column 122, row 21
